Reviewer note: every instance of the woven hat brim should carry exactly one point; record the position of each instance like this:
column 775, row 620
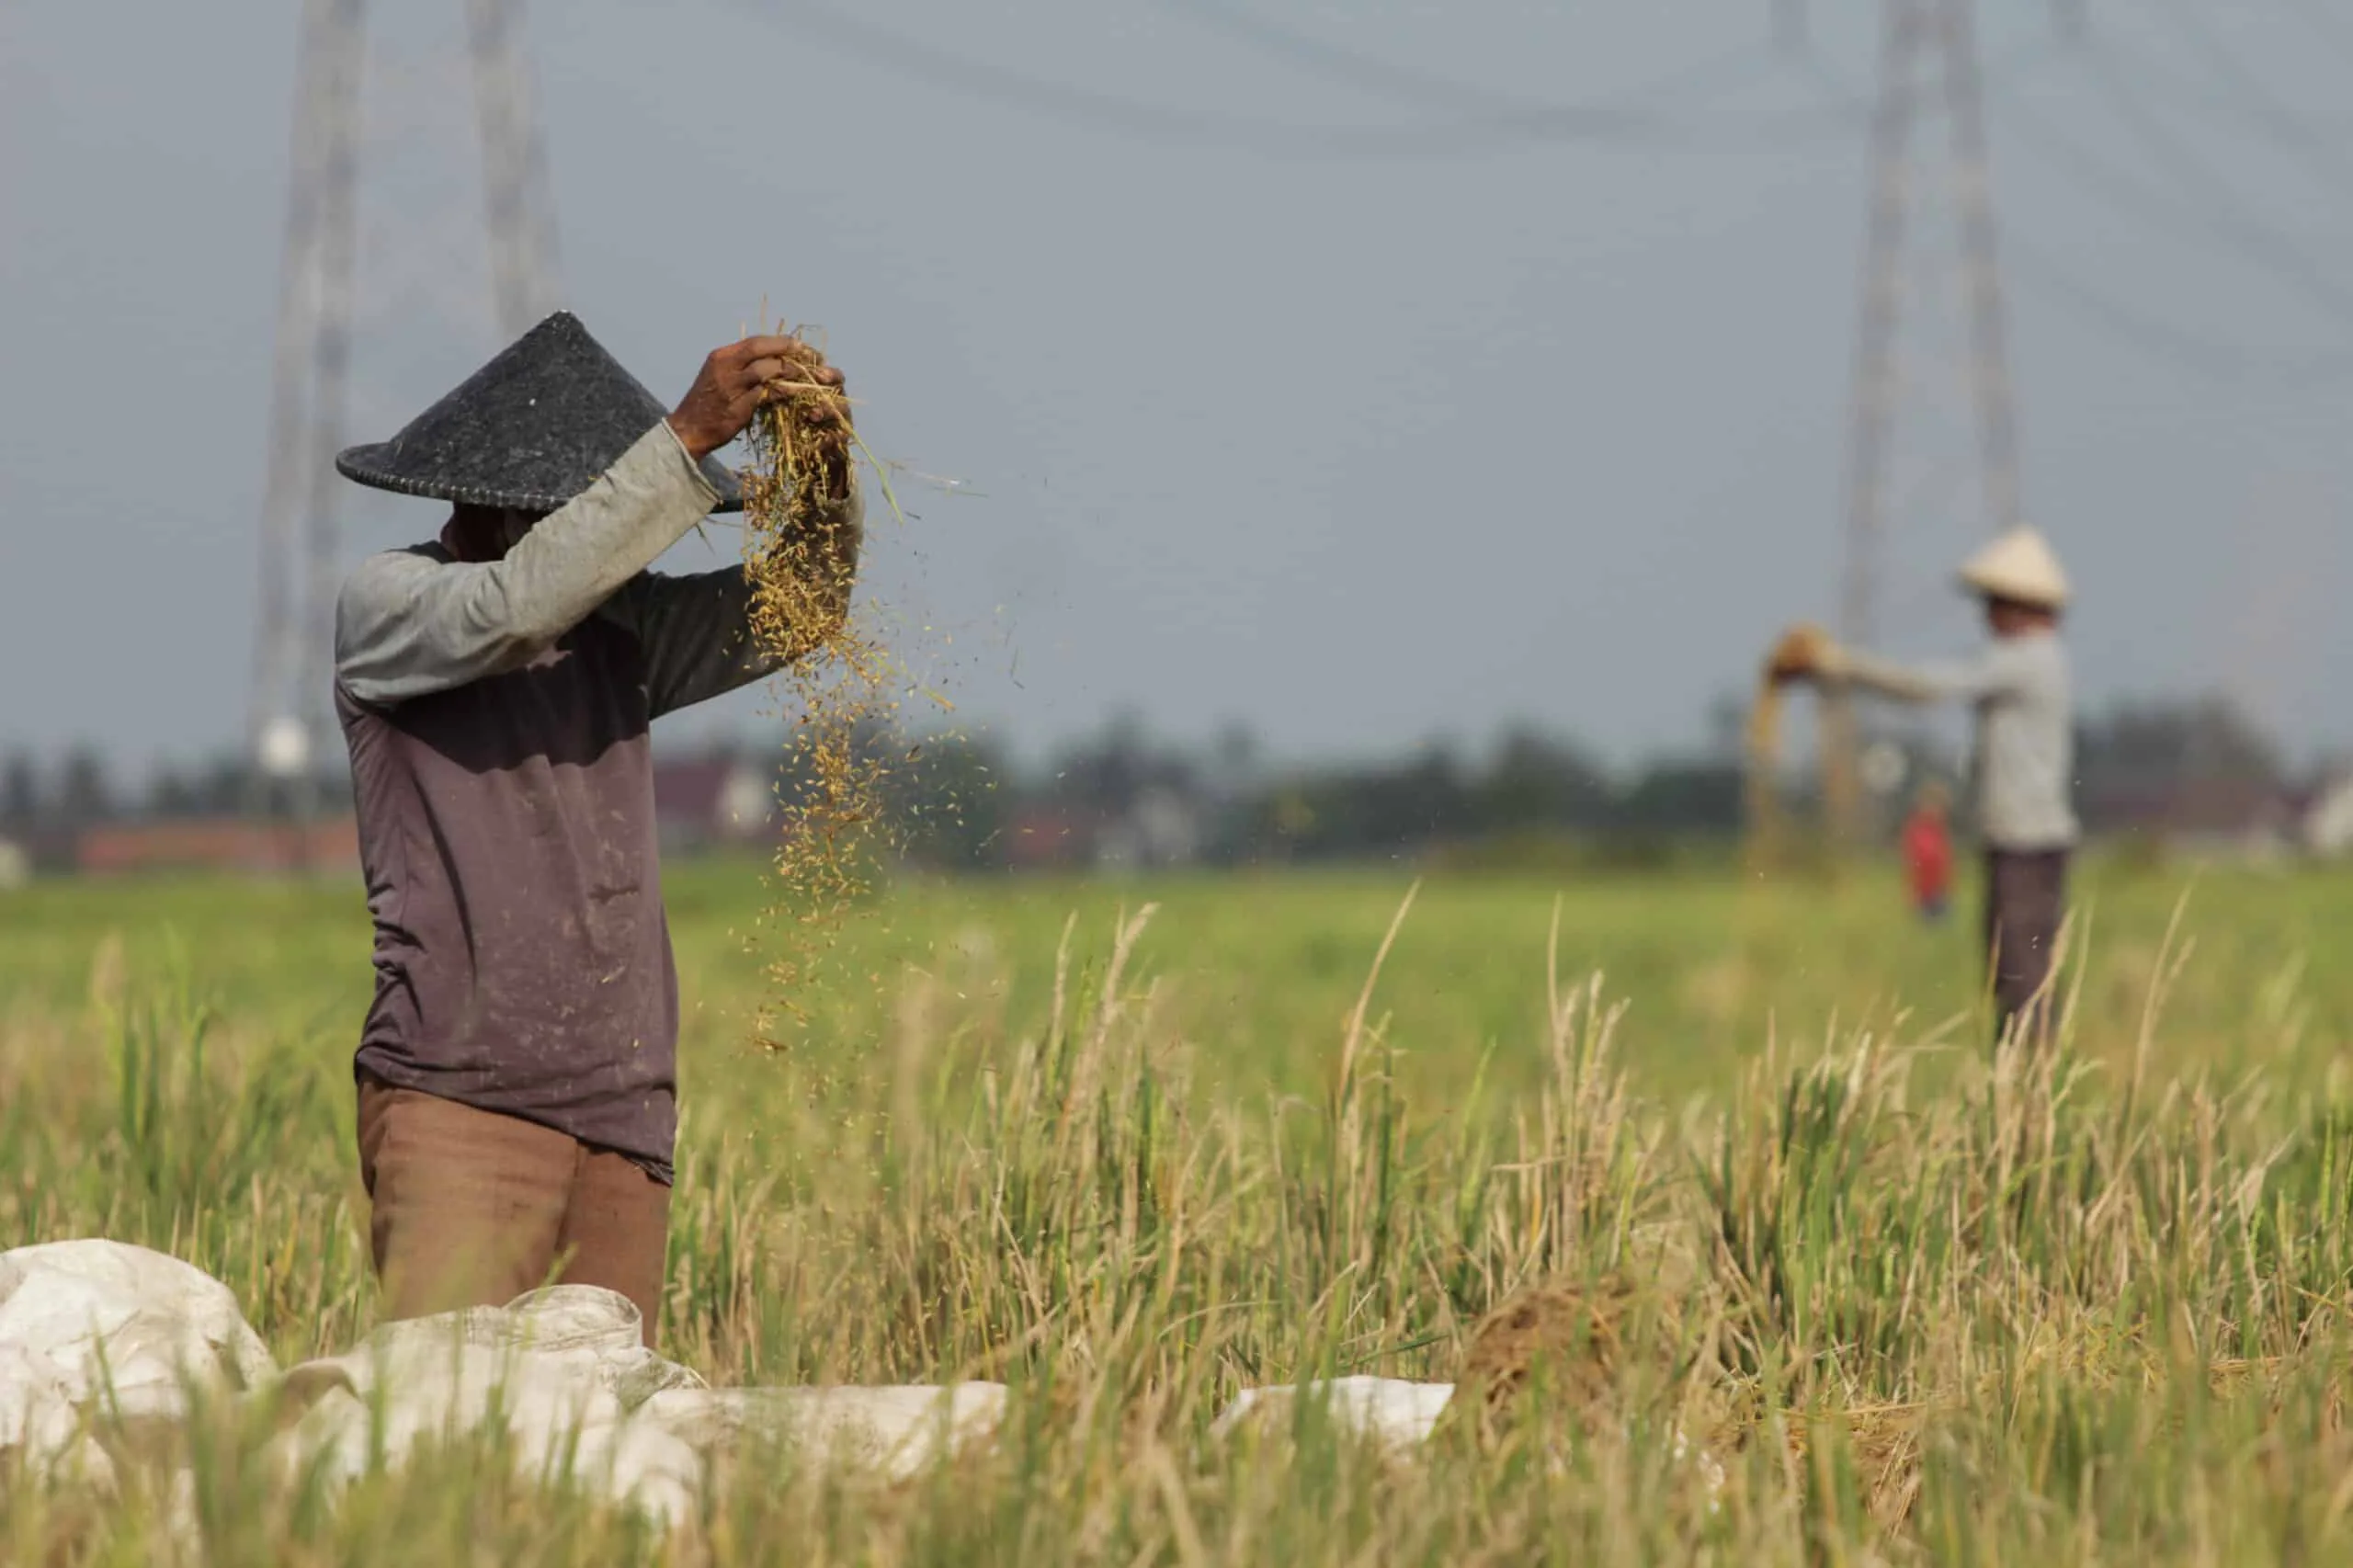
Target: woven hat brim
column 2034, row 595
column 366, row 465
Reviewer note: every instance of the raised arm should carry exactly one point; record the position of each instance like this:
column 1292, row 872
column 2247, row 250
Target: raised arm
column 408, row 624
column 696, row 629
column 1968, row 680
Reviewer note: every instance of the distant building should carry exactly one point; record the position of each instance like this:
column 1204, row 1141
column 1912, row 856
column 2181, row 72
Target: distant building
column 2327, row 820
column 1162, row 829
column 2243, row 820
column 1043, row 838
column 221, row 844
column 713, row 801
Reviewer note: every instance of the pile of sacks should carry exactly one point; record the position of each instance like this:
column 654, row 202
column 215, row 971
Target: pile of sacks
column 104, row 1347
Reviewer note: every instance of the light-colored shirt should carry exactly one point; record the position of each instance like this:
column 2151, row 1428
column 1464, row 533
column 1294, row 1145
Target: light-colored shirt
column 2023, row 761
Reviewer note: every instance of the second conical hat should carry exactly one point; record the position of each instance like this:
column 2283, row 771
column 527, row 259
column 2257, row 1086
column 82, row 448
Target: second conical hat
column 2021, row 566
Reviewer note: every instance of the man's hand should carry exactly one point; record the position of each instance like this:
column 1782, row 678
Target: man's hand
column 734, row 382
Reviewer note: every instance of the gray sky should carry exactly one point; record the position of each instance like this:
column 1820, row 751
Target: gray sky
column 1357, row 449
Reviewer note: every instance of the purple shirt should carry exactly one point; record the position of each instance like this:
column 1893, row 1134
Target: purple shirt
column 496, row 714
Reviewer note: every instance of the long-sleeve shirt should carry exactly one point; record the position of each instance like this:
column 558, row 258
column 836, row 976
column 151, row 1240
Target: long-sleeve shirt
column 2024, row 758
column 497, row 715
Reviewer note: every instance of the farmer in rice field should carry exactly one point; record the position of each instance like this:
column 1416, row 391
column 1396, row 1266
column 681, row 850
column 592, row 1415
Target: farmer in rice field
column 517, row 1073
column 2024, row 755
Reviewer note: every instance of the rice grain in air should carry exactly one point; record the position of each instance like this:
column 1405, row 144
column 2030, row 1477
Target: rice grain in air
column 836, row 799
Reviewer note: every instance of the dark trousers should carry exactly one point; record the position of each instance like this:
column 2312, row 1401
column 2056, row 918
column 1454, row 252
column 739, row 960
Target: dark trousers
column 2026, row 899
column 469, row 1208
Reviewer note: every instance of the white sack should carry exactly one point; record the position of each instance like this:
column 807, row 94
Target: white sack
column 557, row 1371
column 1385, row 1411
column 97, row 1325
column 896, row 1432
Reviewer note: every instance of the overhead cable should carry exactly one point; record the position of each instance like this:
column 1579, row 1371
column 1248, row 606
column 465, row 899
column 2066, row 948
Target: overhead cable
column 2152, row 334
column 1170, row 125
column 2282, row 124
column 2157, row 337
column 2129, row 194
column 1371, row 73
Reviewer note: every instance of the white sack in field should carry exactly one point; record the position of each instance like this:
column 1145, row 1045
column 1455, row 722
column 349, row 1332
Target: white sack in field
column 558, row 1371
column 894, row 1432
column 562, row 1373
column 120, row 1329
column 1385, row 1411
column 96, row 1329
column 593, row 1334
column 38, row 1411
column 1402, row 1416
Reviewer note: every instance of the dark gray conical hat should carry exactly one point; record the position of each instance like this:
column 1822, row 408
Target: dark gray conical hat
column 531, row 430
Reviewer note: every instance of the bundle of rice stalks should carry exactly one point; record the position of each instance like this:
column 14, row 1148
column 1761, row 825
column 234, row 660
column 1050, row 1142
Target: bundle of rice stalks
column 1882, row 1443
column 802, row 475
column 1770, row 838
column 1768, row 833
column 800, row 555
column 1570, row 1360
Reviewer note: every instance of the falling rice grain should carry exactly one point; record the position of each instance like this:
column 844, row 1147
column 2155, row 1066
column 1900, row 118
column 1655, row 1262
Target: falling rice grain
column 801, row 561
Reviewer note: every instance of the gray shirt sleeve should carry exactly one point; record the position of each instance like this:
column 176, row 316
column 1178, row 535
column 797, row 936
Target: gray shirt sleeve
column 1960, row 680
column 696, row 629
column 408, row 623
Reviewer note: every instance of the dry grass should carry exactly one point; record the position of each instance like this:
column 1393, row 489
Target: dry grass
column 2022, row 1309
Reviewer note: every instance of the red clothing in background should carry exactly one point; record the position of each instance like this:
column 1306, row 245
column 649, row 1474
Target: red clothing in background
column 1927, row 855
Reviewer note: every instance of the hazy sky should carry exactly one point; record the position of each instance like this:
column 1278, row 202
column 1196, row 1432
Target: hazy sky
column 1360, row 410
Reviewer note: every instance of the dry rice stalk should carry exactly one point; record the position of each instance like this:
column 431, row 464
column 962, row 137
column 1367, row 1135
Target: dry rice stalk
column 1767, row 830
column 803, row 469
column 1577, row 1336
column 1768, row 827
column 1576, row 1342
column 1884, row 1442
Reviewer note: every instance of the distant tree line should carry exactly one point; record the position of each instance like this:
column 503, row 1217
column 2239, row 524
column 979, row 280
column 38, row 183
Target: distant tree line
column 1127, row 796
column 1124, row 796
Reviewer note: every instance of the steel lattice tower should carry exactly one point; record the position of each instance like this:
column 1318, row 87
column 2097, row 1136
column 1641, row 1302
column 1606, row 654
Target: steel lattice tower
column 289, row 720
column 1928, row 51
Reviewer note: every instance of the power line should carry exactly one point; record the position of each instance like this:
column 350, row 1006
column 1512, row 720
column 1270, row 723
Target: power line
column 1367, row 72
column 2158, row 338
column 293, row 625
column 1170, row 125
column 2187, row 170
column 2098, row 305
column 2223, row 107
column 2126, row 193
column 2282, row 125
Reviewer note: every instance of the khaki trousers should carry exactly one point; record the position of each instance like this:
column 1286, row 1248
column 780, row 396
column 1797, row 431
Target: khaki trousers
column 469, row 1208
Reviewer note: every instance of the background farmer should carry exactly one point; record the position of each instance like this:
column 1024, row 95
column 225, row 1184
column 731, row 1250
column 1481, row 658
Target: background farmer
column 518, row 1071
column 2023, row 761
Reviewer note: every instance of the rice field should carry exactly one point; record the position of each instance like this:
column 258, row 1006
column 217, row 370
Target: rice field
column 1131, row 1148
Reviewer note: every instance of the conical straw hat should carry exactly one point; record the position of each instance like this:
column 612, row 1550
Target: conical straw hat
column 2020, row 565
column 531, row 430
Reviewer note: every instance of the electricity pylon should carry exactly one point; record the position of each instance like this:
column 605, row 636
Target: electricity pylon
column 290, row 719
